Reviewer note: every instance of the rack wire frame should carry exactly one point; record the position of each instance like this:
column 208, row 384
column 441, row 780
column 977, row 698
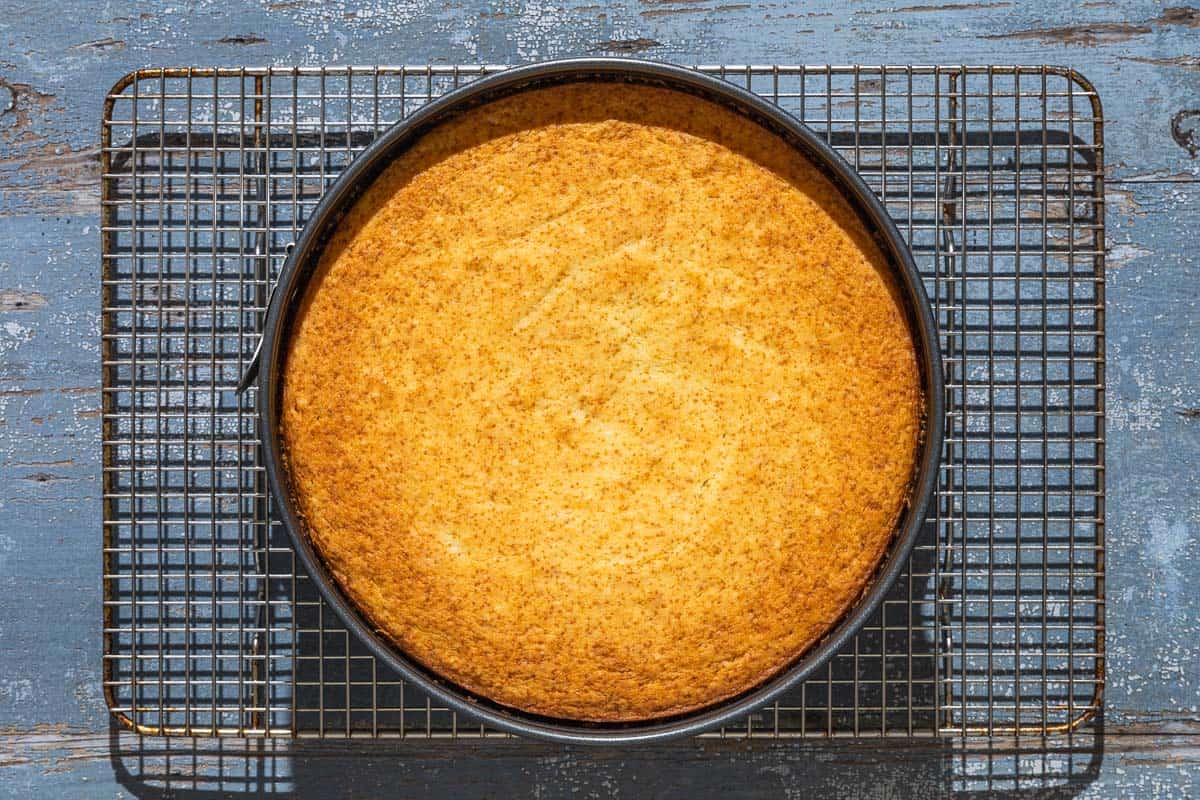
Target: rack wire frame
column 993, row 174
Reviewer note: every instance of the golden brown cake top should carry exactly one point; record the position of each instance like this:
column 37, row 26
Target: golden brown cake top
column 602, row 403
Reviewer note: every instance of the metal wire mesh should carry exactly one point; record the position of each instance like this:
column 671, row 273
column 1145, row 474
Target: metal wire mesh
column 994, row 175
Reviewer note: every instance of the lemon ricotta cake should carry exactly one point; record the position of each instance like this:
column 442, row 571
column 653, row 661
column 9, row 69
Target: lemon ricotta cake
column 601, row 403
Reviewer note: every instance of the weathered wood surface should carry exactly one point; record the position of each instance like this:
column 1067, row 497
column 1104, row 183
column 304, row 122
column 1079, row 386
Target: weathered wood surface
column 56, row 61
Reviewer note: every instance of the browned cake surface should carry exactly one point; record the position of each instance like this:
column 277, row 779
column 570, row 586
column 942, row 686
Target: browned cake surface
column 602, row 404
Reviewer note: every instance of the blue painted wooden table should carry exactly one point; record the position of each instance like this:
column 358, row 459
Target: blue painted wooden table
column 56, row 64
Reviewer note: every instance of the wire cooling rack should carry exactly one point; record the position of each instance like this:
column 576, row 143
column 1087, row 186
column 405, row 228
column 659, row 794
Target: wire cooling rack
column 993, row 174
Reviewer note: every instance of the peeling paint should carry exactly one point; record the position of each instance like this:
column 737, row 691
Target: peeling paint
column 14, row 335
column 1184, row 62
column 245, row 38
column 1184, row 126
column 52, row 178
column 18, row 300
column 43, row 477
column 939, row 8
column 1090, row 34
column 638, row 45
column 1121, row 254
column 107, row 43
column 15, row 692
column 23, row 101
column 1166, row 177
column 1087, row 35
column 1179, row 15
column 1122, row 202
column 1141, row 408
column 665, row 12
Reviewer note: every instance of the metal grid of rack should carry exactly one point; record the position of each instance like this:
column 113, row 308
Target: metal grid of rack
column 993, row 174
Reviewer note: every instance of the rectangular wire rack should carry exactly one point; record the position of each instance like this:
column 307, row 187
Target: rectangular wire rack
column 993, row 174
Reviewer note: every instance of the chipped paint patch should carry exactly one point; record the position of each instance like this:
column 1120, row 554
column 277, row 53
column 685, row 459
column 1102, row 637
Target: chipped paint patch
column 1184, row 62
column 1123, row 202
column 664, row 12
column 14, row 335
column 243, row 38
column 1143, row 410
column 107, row 43
column 16, row 693
column 638, row 45
column 52, row 178
column 88, row 691
column 43, row 477
column 1167, row 541
column 1160, row 176
column 1090, row 34
column 946, row 7
column 1184, row 127
column 22, row 103
column 1086, row 35
column 1179, row 15
column 1121, row 254
column 17, row 300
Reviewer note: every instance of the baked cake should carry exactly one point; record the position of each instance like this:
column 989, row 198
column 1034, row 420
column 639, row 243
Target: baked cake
column 602, row 403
